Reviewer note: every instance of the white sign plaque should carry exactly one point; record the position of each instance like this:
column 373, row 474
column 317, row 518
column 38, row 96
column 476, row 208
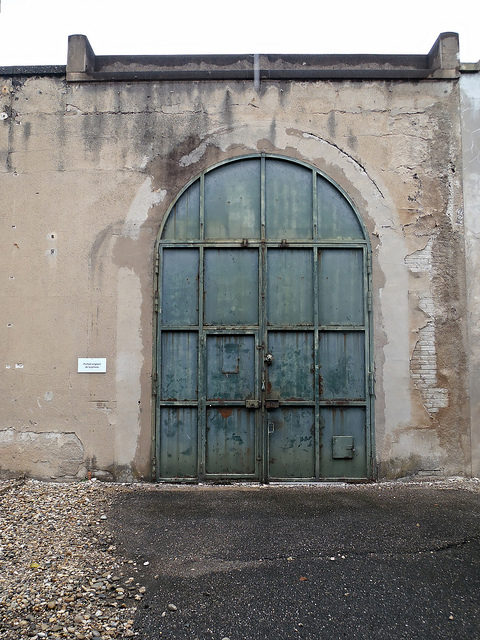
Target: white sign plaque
column 92, row 365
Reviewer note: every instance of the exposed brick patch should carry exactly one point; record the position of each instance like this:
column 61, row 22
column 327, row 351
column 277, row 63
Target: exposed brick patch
column 423, row 365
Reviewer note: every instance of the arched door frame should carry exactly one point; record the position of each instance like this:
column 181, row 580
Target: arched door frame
column 369, row 356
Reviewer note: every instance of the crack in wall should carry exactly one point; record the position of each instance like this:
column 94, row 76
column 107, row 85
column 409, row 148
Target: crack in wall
column 307, row 134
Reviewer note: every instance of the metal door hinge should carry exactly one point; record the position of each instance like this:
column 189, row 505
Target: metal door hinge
column 371, row 383
column 369, row 300
column 156, row 302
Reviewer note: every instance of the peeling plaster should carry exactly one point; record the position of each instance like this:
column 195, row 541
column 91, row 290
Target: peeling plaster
column 44, row 454
column 129, row 362
column 144, row 200
column 423, row 363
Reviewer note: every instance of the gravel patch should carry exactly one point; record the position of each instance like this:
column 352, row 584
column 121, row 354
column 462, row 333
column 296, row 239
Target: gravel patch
column 59, row 574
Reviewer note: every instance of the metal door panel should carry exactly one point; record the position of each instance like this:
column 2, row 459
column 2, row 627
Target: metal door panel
column 335, row 217
column 289, row 286
column 230, row 367
column 342, row 365
column 263, row 334
column 178, row 442
column 179, row 379
column 232, row 201
column 340, row 287
column 343, row 421
column 291, row 433
column 180, row 287
column 230, row 441
column 288, row 200
column 183, row 223
column 290, row 376
column 231, row 286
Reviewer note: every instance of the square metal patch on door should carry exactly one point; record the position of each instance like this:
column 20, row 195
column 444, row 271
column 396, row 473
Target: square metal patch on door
column 342, row 447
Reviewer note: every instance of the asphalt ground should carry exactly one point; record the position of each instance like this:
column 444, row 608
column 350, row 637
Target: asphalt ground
column 303, row 562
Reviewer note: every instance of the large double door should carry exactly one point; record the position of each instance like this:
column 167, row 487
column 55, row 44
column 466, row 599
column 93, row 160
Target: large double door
column 262, row 332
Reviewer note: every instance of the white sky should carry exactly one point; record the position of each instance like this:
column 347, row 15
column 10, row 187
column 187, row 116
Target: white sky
column 35, row 31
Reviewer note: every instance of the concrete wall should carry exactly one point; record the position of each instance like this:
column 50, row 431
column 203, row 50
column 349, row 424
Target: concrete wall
column 470, row 105
column 88, row 171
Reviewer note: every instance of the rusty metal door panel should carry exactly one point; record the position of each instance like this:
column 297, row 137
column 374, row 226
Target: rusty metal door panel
column 343, row 421
column 341, row 287
column 180, row 287
column 291, row 374
column 230, row 441
column 179, row 378
column 184, row 220
column 342, row 365
column 178, row 442
column 288, row 200
column 230, row 367
column 335, row 217
column 232, row 201
column 291, row 434
column 289, row 286
column 231, row 286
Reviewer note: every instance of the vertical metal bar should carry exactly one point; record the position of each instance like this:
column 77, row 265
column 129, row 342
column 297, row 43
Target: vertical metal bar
column 202, row 207
column 316, row 361
column 263, row 435
column 201, row 386
column 369, row 365
column 366, row 313
column 262, row 197
column 157, row 341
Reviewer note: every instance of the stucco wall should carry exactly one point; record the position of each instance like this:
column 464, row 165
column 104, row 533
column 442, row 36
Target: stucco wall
column 88, row 173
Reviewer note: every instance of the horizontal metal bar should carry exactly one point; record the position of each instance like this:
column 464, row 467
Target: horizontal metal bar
column 178, row 327
column 223, row 331
column 345, row 327
column 308, row 479
column 227, row 403
column 227, row 328
column 295, row 403
column 253, row 329
column 255, row 243
column 342, row 403
column 310, row 327
column 177, row 403
column 230, row 476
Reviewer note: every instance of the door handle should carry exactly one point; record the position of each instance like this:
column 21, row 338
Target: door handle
column 271, row 427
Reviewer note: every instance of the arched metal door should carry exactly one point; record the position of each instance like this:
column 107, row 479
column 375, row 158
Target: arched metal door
column 263, row 360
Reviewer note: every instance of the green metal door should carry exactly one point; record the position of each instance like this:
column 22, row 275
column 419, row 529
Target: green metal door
column 263, row 365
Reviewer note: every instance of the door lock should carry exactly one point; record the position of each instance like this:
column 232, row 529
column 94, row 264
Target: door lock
column 268, row 359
